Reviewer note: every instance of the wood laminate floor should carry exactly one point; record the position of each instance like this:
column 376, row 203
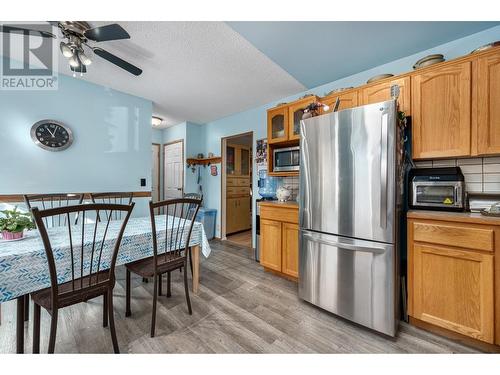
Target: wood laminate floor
column 239, row 309
column 242, row 238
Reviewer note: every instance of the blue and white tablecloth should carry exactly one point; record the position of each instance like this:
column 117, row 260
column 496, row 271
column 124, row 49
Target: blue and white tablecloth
column 24, row 267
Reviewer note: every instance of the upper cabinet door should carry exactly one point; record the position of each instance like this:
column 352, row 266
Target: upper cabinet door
column 441, row 112
column 277, row 124
column 486, row 105
column 295, row 112
column 382, row 92
column 347, row 100
column 244, row 161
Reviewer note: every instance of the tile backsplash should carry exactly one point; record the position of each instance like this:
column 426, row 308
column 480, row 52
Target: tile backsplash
column 481, row 174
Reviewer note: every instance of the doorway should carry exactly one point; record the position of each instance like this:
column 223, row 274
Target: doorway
column 155, row 173
column 173, row 169
column 236, row 192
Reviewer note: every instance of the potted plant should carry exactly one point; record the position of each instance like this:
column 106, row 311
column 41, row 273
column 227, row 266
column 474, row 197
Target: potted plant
column 13, row 224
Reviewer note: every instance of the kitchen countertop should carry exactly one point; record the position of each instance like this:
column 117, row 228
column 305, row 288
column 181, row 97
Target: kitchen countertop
column 287, row 204
column 462, row 217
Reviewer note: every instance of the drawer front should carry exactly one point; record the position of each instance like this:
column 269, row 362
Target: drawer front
column 231, row 182
column 243, row 182
column 235, row 191
column 288, row 215
column 454, row 235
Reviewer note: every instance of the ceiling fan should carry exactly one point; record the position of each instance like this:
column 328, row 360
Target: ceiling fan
column 75, row 44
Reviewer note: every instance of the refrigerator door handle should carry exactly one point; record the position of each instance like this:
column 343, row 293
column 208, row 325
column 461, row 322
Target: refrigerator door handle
column 356, row 246
column 383, row 171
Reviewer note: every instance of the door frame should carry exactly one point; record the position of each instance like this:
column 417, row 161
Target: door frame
column 181, row 141
column 223, row 145
column 159, row 171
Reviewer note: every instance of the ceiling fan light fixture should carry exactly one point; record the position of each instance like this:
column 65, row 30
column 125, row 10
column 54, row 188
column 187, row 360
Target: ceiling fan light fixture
column 156, row 121
column 85, row 60
column 66, row 50
column 74, row 61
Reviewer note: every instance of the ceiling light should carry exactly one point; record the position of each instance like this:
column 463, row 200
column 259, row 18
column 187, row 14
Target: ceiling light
column 156, row 121
column 84, row 58
column 74, row 62
column 66, row 50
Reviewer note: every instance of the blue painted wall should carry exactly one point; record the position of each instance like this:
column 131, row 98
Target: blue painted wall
column 111, row 151
column 255, row 119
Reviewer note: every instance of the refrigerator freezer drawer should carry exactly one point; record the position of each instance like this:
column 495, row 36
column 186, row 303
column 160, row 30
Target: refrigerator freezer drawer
column 351, row 278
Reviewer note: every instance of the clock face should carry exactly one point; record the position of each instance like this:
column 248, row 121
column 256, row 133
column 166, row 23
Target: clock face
column 51, row 135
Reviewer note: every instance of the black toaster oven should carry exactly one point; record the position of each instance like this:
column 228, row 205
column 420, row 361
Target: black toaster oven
column 437, row 189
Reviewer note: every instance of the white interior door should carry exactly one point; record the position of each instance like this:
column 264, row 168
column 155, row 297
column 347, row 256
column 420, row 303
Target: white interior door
column 155, row 173
column 173, row 170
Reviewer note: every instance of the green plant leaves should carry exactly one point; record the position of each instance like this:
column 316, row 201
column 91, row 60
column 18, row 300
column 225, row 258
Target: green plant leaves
column 15, row 221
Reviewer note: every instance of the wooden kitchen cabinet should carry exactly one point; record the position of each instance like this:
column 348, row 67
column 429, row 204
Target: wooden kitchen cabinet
column 238, row 160
column 238, row 214
column 270, row 244
column 279, row 238
column 290, row 252
column 295, row 112
column 347, row 100
column 382, row 91
column 277, row 124
column 486, row 105
column 451, row 278
column 441, row 111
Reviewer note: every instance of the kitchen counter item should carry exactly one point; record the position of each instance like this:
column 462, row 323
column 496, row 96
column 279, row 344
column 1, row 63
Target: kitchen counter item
column 481, row 201
column 487, row 46
column 429, row 60
column 283, row 194
column 379, row 77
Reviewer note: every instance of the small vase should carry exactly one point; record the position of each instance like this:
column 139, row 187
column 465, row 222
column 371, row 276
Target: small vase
column 6, row 235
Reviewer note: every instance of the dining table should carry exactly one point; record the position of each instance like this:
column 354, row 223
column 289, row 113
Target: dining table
column 24, row 268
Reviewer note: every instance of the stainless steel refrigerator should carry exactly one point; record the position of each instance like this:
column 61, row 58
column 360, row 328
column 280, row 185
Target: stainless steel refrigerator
column 348, row 245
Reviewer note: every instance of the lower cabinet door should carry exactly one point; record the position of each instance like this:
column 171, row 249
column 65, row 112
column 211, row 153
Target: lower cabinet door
column 290, row 250
column 453, row 289
column 270, row 244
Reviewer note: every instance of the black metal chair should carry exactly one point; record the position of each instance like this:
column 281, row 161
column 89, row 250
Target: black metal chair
column 170, row 249
column 113, row 198
column 92, row 266
column 46, row 201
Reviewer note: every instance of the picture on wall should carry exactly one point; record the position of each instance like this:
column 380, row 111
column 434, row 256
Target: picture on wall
column 261, row 152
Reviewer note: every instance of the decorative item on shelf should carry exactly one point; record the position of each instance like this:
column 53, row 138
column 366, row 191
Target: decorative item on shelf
column 283, row 194
column 429, row 60
column 13, row 224
column 306, row 96
column 340, row 89
column 378, row 77
column 313, row 110
column 282, row 103
column 487, row 46
column 210, row 154
column 192, row 162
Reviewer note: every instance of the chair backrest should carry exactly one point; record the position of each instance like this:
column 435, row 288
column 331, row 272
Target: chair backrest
column 193, row 196
column 46, row 201
column 112, row 198
column 178, row 226
column 78, row 254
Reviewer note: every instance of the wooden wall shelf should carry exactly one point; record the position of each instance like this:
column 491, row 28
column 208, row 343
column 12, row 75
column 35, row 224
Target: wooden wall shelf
column 203, row 161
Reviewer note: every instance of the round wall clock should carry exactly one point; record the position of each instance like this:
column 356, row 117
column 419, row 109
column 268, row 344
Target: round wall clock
column 51, row 135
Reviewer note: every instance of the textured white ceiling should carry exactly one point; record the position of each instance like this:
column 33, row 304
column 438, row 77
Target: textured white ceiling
column 192, row 71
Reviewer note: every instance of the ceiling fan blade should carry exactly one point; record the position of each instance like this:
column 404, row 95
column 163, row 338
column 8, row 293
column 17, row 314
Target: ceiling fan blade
column 22, row 30
column 117, row 61
column 105, row 33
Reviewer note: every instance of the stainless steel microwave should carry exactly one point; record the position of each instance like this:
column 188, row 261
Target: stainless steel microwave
column 437, row 188
column 286, row 159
